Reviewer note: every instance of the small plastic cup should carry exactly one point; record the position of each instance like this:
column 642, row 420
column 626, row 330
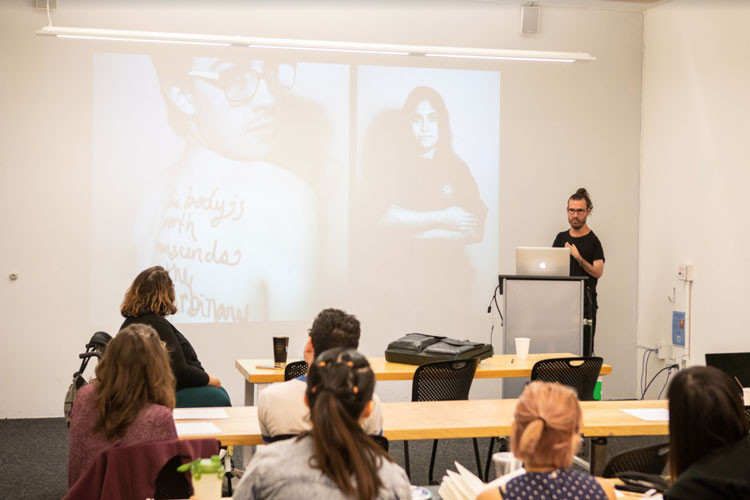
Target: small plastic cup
column 522, row 347
column 208, row 474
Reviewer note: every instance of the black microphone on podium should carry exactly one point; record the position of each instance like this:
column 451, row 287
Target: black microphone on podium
column 497, row 306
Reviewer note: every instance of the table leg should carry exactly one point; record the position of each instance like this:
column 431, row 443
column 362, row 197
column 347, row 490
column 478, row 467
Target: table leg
column 598, row 455
column 249, row 393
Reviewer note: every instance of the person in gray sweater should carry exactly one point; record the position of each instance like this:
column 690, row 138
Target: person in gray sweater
column 335, row 459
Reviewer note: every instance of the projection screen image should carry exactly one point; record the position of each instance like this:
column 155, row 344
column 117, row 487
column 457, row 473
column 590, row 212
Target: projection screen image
column 272, row 187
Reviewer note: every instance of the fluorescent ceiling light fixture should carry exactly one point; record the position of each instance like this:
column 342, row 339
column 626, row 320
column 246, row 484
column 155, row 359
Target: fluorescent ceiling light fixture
column 503, row 58
column 314, row 45
column 331, row 49
column 145, row 40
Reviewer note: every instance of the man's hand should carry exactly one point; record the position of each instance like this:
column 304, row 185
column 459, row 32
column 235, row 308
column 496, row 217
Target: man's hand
column 574, row 252
column 594, row 269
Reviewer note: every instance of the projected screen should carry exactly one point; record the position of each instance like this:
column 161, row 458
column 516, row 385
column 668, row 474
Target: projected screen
column 273, row 187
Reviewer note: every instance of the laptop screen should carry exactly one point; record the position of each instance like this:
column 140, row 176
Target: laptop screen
column 736, row 364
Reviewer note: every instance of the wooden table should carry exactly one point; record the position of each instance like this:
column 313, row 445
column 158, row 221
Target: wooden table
column 462, row 419
column 498, row 366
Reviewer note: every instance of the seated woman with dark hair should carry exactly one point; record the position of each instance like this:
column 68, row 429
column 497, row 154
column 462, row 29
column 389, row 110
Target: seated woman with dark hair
column 709, row 445
column 336, row 459
column 545, row 435
column 129, row 402
column 149, row 299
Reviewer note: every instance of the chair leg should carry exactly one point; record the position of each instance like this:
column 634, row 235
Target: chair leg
column 598, row 455
column 476, row 455
column 228, row 467
column 228, row 477
column 432, row 461
column 406, row 459
column 489, row 460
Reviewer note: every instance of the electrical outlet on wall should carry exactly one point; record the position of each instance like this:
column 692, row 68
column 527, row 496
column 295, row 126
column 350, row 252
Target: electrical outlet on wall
column 662, row 350
column 685, row 272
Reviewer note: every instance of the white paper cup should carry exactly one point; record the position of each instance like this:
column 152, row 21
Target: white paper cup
column 522, row 347
column 746, row 394
column 505, row 463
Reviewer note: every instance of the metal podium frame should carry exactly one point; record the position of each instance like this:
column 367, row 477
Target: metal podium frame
column 548, row 310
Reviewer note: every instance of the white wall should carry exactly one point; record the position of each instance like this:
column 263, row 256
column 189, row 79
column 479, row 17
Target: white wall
column 694, row 173
column 561, row 128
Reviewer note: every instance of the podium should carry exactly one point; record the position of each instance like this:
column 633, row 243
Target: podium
column 546, row 309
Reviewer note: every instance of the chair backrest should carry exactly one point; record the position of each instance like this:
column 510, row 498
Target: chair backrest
column 443, row 380
column 170, row 483
column 141, row 470
column 579, row 373
column 295, row 369
column 282, row 437
column 382, row 441
column 648, row 460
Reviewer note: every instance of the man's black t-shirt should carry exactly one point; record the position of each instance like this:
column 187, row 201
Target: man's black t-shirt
column 590, row 249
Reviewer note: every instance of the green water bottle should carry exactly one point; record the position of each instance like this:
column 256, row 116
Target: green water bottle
column 598, row 389
column 207, row 474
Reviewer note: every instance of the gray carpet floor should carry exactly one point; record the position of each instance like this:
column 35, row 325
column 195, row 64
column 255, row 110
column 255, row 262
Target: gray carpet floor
column 35, row 451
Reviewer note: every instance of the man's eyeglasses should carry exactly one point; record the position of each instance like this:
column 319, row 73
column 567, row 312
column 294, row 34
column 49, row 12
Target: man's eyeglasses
column 241, row 84
column 576, row 211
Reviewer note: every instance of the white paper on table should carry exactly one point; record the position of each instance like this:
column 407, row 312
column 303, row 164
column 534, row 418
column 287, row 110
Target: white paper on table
column 622, row 494
column 196, row 428
column 198, row 413
column 649, row 414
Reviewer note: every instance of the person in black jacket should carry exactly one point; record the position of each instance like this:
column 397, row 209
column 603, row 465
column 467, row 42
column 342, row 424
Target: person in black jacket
column 709, row 445
column 149, row 299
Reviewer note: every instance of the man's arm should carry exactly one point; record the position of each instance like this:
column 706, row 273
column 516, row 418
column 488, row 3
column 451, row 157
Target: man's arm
column 594, row 269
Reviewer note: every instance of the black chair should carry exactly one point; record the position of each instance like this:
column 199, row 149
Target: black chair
column 648, row 460
column 580, row 374
column 170, row 483
column 442, row 381
column 294, row 370
column 382, row 441
column 282, row 437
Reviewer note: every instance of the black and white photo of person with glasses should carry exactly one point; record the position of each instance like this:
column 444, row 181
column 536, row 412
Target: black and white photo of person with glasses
column 240, row 221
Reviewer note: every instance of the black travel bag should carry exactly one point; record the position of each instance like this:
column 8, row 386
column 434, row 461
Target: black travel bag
column 419, row 348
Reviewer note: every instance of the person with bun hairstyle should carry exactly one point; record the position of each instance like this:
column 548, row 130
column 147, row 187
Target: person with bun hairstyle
column 130, row 401
column 336, row 459
column 586, row 259
column 149, row 299
column 709, row 445
column 545, row 435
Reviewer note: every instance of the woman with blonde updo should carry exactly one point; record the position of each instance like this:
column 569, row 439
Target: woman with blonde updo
column 545, row 435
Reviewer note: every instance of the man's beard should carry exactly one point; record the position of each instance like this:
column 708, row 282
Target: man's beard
column 577, row 223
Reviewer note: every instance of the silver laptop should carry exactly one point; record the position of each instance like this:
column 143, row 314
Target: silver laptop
column 542, row 261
